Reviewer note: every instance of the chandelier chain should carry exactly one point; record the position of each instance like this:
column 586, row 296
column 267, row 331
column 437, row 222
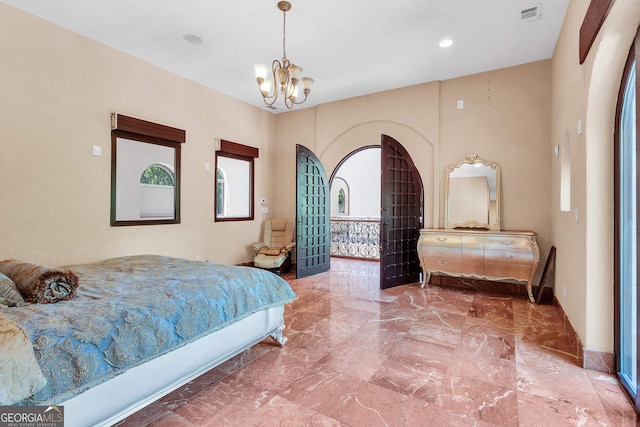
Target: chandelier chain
column 286, row 78
column 284, row 35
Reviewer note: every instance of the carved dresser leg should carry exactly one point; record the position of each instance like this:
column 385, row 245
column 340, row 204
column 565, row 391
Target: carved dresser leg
column 530, row 292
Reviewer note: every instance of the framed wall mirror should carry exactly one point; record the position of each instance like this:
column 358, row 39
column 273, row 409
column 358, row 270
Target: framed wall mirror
column 472, row 194
column 145, row 172
column 234, row 182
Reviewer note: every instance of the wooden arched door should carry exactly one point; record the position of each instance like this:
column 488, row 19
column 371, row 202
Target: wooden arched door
column 312, row 215
column 401, row 216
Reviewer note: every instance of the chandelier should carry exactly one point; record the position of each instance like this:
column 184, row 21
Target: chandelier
column 286, row 74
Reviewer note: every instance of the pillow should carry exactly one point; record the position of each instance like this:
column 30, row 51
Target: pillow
column 38, row 283
column 9, row 293
column 269, row 251
column 20, row 374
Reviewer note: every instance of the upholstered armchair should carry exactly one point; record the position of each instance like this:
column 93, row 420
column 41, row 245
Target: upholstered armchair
column 274, row 252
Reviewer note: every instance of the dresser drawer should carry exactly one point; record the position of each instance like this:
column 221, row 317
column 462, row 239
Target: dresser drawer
column 507, row 243
column 442, row 240
column 444, row 252
column 508, row 264
column 444, row 265
column 500, row 271
column 484, row 254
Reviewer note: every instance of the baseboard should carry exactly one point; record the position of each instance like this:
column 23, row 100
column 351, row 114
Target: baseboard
column 509, row 288
column 589, row 359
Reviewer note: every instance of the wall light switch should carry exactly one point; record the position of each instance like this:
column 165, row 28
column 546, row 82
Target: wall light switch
column 265, row 210
column 460, row 104
column 97, row 150
column 207, row 166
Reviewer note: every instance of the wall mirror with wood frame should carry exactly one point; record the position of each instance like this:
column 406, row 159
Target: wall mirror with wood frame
column 472, row 194
column 145, row 172
column 234, row 181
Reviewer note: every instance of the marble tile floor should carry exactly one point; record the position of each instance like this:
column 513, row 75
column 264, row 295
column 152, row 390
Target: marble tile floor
column 406, row 356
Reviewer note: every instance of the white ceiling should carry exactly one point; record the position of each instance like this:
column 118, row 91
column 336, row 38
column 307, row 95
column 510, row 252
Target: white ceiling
column 350, row 48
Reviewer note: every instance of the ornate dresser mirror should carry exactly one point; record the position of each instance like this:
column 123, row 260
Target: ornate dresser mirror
column 472, row 244
column 472, row 194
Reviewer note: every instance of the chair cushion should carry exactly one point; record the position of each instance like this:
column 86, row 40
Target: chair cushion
column 270, row 251
column 269, row 261
column 278, row 233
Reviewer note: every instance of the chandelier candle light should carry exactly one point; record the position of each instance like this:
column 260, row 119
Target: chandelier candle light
column 284, row 72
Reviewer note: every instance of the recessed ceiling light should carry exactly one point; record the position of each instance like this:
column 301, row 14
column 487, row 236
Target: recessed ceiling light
column 193, row 39
column 446, row 43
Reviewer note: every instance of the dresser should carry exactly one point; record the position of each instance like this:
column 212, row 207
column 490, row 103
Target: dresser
column 491, row 255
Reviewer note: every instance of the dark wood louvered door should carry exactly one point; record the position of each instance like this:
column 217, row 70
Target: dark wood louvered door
column 401, row 216
column 312, row 215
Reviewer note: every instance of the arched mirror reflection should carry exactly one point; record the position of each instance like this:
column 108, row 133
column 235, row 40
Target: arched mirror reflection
column 145, row 172
column 234, row 181
column 473, row 194
column 145, row 189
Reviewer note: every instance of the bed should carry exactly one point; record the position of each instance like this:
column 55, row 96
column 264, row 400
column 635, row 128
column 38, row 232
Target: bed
column 139, row 327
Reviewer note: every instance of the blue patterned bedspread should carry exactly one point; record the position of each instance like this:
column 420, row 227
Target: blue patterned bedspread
column 132, row 309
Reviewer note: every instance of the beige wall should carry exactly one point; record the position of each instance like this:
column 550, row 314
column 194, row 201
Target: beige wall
column 588, row 93
column 334, row 130
column 510, row 128
column 58, row 90
column 506, row 120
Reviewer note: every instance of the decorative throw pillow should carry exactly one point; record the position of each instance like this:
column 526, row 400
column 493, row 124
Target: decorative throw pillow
column 269, row 251
column 9, row 294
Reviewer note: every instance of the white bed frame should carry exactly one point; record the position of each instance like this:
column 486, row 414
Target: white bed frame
column 111, row 401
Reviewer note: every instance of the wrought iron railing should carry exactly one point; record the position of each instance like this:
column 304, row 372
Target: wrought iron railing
column 355, row 237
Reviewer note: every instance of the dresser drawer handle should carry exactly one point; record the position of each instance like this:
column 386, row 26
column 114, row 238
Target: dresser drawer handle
column 441, row 239
column 507, row 242
column 442, row 263
column 507, row 256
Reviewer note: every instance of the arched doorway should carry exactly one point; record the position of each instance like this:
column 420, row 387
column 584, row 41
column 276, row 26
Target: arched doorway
column 400, row 211
column 355, row 205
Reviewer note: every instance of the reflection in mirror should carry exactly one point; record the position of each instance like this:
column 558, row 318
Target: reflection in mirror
column 473, row 194
column 234, row 181
column 233, row 184
column 145, row 171
column 145, row 189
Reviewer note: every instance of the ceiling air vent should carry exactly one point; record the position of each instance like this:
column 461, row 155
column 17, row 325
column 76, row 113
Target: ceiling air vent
column 531, row 13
